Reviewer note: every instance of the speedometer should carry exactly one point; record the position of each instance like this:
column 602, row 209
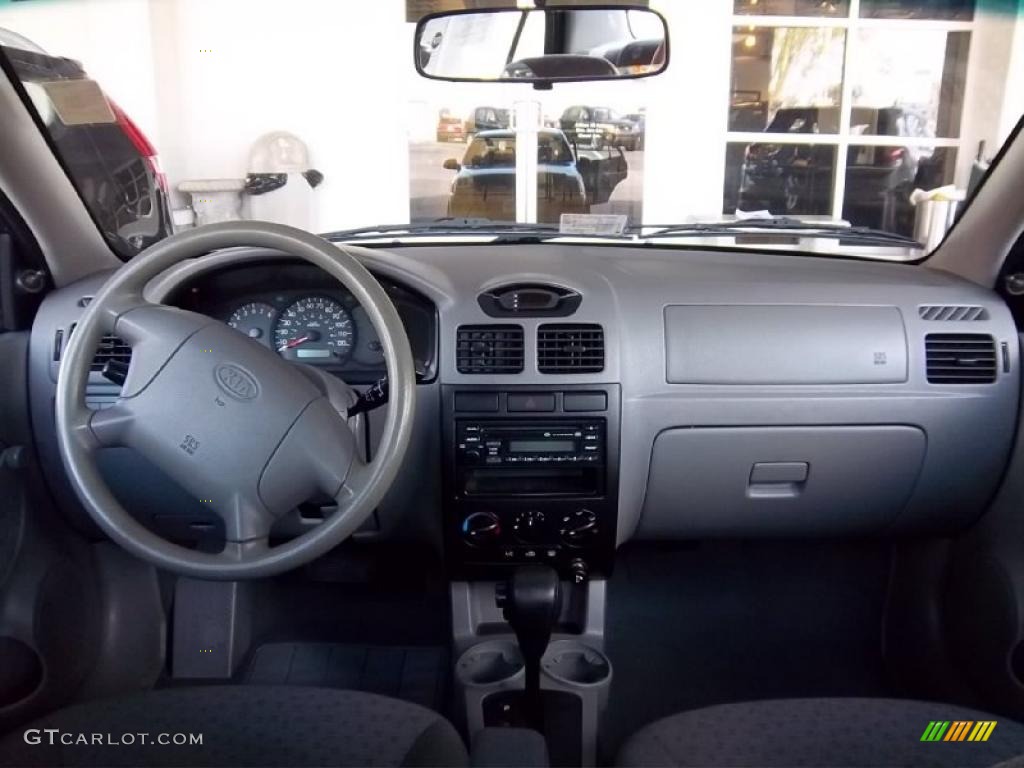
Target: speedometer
column 315, row 329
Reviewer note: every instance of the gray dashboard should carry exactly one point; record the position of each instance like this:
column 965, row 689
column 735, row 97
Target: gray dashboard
column 761, row 394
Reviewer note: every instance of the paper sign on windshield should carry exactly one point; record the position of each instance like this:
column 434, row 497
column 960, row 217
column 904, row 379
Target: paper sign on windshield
column 592, row 224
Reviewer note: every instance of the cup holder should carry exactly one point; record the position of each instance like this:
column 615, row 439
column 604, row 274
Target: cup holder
column 489, row 664
column 576, row 665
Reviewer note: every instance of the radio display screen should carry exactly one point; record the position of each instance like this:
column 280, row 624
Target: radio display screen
column 541, row 446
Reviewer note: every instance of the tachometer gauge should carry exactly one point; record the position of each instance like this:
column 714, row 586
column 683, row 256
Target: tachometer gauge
column 254, row 319
column 315, row 329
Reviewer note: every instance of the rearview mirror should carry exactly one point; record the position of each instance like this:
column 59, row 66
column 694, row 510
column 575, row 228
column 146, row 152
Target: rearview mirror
column 451, row 164
column 542, row 46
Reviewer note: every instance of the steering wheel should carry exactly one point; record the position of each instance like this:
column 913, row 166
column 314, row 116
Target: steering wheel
column 245, row 432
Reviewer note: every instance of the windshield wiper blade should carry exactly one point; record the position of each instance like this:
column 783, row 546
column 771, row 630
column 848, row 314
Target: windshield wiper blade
column 777, row 226
column 446, row 225
column 502, row 231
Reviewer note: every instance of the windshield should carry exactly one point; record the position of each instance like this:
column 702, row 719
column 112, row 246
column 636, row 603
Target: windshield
column 879, row 115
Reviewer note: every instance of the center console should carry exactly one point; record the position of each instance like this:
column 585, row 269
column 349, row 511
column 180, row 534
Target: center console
column 531, row 476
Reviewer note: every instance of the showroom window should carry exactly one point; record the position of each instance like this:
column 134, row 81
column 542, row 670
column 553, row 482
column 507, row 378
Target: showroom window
column 842, row 109
column 590, row 156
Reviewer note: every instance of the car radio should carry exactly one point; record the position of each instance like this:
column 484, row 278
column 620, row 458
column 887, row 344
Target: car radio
column 492, row 443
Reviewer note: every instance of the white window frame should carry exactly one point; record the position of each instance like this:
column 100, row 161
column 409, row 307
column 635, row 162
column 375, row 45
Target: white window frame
column 842, row 140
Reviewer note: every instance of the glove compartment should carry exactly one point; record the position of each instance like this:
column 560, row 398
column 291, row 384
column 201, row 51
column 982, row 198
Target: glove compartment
column 758, row 481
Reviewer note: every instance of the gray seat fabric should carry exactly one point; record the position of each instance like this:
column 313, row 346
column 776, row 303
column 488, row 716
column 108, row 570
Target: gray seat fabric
column 817, row 732
column 245, row 725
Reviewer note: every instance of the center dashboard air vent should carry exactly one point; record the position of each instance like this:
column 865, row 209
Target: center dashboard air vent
column 570, row 348
column 960, row 358
column 483, row 349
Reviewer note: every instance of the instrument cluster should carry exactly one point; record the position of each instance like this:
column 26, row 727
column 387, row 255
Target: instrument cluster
column 316, row 329
column 304, row 315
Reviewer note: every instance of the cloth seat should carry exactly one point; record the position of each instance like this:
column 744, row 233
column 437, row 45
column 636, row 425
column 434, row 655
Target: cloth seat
column 242, row 725
column 819, row 732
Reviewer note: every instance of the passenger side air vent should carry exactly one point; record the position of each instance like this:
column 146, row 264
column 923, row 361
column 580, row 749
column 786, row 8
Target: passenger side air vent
column 489, row 349
column 564, row 348
column 960, row 358
column 951, row 312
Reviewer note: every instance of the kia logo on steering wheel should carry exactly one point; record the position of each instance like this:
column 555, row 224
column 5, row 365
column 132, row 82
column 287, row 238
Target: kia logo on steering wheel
column 236, row 382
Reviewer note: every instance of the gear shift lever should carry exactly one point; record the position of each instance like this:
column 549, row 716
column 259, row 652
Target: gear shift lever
column 532, row 601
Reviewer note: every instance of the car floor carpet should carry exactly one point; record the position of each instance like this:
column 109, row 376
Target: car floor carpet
column 415, row 673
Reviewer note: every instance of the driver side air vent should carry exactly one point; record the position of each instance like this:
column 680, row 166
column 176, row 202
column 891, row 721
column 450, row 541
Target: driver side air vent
column 960, row 358
column 482, row 349
column 110, row 348
column 570, row 348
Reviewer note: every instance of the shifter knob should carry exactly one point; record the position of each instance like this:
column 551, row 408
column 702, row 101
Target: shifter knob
column 532, row 601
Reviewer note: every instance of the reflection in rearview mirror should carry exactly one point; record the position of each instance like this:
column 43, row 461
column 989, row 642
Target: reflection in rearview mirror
column 542, row 46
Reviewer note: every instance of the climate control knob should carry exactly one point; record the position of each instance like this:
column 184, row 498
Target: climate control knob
column 529, row 526
column 578, row 528
column 481, row 528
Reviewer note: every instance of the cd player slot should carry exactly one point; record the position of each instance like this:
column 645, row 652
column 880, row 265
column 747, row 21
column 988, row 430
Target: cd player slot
column 533, row 481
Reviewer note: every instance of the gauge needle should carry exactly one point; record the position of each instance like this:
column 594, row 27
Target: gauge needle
column 294, row 343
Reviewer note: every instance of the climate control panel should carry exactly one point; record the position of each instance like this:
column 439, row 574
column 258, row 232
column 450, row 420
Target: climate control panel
column 531, row 528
